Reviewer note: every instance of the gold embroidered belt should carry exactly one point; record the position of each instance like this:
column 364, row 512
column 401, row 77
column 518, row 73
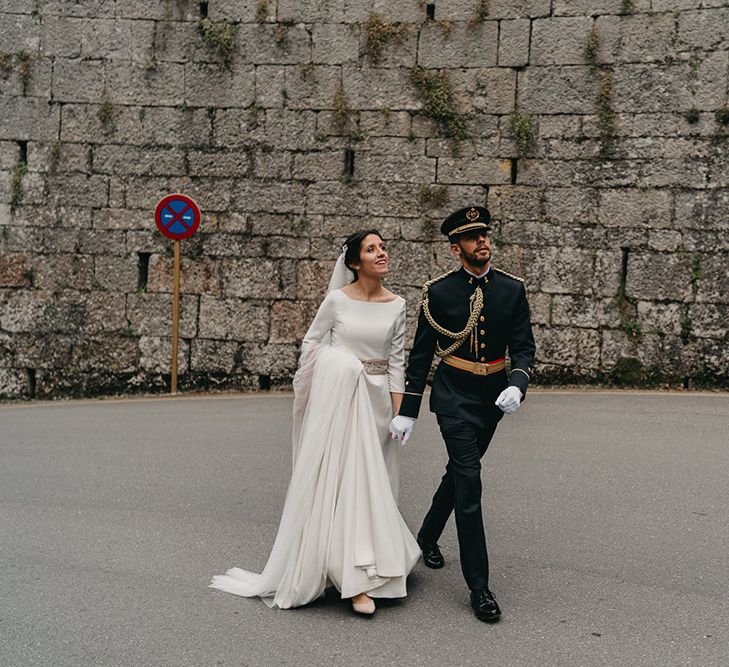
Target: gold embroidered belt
column 375, row 366
column 475, row 367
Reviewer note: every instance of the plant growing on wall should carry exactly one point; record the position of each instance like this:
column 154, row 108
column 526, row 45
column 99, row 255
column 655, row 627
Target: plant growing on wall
column 219, row 37
column 24, row 69
column 308, row 72
column 282, row 34
column 438, row 103
column 261, row 10
column 697, row 273
column 445, row 27
column 106, row 113
column 54, row 155
column 6, row 62
column 16, row 184
column 344, row 118
column 605, row 102
column 591, row 47
column 686, row 326
column 631, row 327
column 605, row 111
column 341, row 113
column 628, row 312
column 433, row 196
column 482, row 12
column 722, row 116
column 254, row 114
column 377, row 33
column 429, row 228
column 522, row 129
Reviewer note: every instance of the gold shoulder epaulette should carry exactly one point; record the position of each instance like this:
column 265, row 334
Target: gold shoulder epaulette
column 439, row 278
column 511, row 275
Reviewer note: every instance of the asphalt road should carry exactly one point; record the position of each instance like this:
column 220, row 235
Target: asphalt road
column 606, row 518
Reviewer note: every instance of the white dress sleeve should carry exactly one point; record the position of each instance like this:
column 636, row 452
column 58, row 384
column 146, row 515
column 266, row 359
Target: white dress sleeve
column 322, row 324
column 396, row 361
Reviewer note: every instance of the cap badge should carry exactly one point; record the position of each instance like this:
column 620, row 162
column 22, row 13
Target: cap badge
column 472, row 214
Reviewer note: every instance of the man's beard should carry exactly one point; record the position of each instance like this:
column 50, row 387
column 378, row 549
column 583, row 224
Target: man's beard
column 474, row 260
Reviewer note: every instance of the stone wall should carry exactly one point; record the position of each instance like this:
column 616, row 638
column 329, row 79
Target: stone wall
column 596, row 132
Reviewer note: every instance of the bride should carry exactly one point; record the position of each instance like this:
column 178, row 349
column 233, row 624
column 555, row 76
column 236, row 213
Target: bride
column 340, row 523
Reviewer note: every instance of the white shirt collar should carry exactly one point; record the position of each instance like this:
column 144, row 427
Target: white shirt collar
column 480, row 275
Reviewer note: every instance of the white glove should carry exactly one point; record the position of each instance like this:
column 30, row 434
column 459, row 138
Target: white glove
column 401, row 427
column 509, row 400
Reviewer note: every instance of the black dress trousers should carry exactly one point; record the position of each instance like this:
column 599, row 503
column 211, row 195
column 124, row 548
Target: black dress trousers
column 460, row 489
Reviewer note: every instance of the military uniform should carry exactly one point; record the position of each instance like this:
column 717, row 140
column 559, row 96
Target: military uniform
column 470, row 323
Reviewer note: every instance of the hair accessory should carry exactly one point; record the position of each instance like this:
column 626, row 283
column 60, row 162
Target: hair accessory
column 341, row 275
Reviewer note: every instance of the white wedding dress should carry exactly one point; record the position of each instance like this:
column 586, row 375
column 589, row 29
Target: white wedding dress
column 340, row 523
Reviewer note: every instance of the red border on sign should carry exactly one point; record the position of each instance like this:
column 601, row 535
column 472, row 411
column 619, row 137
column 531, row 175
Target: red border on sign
column 191, row 204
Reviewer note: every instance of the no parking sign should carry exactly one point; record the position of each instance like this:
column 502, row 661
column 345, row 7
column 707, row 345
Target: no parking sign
column 177, row 216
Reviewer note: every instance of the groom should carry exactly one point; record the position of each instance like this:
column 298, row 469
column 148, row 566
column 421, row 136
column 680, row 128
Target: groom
column 469, row 317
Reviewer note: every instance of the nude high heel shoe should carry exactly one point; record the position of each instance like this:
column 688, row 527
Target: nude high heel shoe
column 363, row 604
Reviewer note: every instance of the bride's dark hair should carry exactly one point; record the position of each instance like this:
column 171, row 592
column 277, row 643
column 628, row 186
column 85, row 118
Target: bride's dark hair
column 353, row 247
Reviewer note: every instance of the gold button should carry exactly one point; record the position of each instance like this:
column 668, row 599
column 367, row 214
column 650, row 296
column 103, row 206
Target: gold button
column 483, row 358
column 482, row 318
column 483, row 345
column 482, row 332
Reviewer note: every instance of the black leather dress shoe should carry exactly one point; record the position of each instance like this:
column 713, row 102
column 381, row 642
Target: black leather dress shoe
column 432, row 557
column 484, row 606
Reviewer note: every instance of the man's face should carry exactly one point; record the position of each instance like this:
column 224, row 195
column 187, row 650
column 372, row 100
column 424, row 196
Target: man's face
column 473, row 247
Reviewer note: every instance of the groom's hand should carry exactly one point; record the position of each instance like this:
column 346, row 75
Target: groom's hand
column 509, row 400
column 401, row 427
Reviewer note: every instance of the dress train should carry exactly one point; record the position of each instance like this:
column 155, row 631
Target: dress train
column 340, row 522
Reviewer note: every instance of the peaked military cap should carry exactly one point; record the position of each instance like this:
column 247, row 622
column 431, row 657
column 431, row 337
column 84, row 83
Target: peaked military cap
column 466, row 220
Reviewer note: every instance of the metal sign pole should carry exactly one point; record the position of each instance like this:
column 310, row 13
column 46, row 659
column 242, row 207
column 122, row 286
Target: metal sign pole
column 177, row 217
column 175, row 316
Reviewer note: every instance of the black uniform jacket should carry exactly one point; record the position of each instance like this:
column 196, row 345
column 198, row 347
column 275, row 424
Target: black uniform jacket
column 503, row 324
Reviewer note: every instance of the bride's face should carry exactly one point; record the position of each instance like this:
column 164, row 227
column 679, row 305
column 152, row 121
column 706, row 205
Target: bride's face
column 373, row 257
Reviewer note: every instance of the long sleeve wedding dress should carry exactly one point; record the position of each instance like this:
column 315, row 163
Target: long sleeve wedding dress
column 340, row 523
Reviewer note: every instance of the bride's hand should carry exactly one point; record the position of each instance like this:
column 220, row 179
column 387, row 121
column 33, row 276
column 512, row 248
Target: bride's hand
column 396, row 401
